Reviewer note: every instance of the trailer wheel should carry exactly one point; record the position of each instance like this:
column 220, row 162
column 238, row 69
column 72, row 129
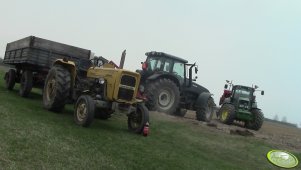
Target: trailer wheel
column 10, row 79
column 57, row 88
column 84, row 111
column 138, row 119
column 25, row 83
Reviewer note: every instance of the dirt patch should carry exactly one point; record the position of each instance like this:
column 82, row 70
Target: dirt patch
column 279, row 136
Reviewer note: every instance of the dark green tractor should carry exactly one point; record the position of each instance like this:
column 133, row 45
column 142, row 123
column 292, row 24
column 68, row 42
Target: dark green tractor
column 239, row 103
column 168, row 85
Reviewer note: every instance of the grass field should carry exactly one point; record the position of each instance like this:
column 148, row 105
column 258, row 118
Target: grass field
column 33, row 138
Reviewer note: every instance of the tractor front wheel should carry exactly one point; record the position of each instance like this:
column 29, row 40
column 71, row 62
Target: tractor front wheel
column 84, row 111
column 205, row 112
column 10, row 79
column 227, row 114
column 138, row 119
column 257, row 121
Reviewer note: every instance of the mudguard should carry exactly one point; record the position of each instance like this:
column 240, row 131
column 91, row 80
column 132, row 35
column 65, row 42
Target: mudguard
column 202, row 100
column 168, row 76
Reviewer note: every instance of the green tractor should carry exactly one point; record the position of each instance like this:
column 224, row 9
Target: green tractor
column 238, row 103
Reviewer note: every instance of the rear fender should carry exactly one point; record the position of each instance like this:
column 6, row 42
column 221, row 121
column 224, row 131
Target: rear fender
column 70, row 65
column 159, row 76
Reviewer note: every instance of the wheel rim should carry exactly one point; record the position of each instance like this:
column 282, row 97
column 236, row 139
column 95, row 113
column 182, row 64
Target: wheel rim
column 81, row 111
column 136, row 119
column 224, row 115
column 50, row 89
column 166, row 99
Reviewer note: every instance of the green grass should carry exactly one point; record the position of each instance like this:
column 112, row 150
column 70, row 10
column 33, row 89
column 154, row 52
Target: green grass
column 33, row 138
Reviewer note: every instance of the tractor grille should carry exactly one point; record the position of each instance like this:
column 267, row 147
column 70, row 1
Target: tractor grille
column 127, row 87
column 128, row 80
column 243, row 104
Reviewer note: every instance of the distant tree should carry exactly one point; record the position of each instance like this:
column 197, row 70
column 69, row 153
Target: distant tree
column 284, row 119
column 276, row 118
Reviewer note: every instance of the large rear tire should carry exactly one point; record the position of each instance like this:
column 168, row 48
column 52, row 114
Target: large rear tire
column 227, row 114
column 138, row 119
column 163, row 96
column 257, row 122
column 10, row 79
column 206, row 112
column 57, row 88
column 84, row 111
column 25, row 83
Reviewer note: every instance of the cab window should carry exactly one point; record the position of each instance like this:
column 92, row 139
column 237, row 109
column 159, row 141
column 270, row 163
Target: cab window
column 178, row 69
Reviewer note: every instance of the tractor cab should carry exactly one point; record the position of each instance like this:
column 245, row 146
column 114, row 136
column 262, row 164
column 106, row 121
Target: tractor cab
column 242, row 97
column 158, row 63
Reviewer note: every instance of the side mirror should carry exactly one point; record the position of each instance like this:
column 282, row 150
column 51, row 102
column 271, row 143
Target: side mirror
column 256, row 87
column 226, row 86
column 227, row 81
column 262, row 92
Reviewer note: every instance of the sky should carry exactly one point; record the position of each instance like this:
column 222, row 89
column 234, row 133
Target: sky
column 247, row 41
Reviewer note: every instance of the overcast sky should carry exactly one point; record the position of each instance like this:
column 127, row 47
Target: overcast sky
column 247, row 41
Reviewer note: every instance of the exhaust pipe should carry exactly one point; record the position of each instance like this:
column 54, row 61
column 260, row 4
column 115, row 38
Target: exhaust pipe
column 122, row 60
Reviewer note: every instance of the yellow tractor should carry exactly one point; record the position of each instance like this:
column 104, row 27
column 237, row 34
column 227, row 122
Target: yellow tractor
column 98, row 88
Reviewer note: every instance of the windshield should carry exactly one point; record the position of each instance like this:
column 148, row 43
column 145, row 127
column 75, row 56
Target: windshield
column 242, row 93
column 154, row 63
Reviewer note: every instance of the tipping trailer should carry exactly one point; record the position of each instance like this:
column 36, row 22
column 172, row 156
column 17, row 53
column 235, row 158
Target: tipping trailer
column 32, row 57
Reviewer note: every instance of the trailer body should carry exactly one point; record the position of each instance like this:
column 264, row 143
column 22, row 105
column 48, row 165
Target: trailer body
column 32, row 57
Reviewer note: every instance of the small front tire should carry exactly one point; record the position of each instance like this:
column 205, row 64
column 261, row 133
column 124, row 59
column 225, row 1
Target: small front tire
column 205, row 112
column 84, row 111
column 138, row 119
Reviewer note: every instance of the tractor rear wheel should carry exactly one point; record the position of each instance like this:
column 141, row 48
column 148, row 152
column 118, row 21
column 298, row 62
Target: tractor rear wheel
column 138, row 119
column 205, row 112
column 10, row 79
column 163, row 96
column 227, row 114
column 84, row 111
column 57, row 88
column 25, row 83
column 257, row 122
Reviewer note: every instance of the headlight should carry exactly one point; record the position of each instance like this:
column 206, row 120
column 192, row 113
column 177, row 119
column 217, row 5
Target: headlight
column 100, row 80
